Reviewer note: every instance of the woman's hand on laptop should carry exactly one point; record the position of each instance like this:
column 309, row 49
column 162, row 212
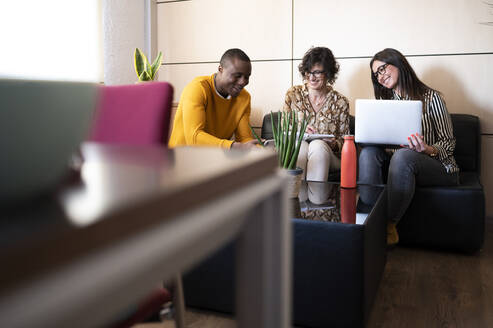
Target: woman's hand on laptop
column 416, row 142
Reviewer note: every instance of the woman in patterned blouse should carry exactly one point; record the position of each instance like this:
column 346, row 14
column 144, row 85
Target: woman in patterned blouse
column 329, row 112
column 427, row 160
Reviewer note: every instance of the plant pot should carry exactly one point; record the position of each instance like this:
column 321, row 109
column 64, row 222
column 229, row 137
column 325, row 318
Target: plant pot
column 294, row 181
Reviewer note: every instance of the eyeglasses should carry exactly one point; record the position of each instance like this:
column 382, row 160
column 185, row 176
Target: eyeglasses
column 380, row 70
column 316, row 74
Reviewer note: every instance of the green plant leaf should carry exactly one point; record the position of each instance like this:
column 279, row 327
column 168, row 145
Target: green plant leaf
column 278, row 129
column 284, row 129
column 256, row 136
column 274, row 130
column 139, row 62
column 147, row 65
column 293, row 143
column 145, row 76
column 156, row 65
column 303, row 126
column 291, row 132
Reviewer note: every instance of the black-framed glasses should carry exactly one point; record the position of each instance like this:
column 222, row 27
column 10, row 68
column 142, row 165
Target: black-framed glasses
column 316, row 74
column 380, row 70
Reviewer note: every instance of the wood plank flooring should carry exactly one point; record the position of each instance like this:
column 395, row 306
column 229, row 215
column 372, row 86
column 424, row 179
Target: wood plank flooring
column 420, row 288
column 423, row 288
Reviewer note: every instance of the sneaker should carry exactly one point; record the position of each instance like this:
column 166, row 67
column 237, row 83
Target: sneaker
column 392, row 235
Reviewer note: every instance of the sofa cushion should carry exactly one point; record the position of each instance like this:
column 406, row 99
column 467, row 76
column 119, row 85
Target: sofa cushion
column 449, row 218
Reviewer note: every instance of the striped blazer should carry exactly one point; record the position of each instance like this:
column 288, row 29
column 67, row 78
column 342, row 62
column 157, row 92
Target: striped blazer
column 437, row 129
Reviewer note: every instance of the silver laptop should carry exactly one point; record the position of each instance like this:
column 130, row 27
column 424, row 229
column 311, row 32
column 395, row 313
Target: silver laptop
column 41, row 124
column 386, row 122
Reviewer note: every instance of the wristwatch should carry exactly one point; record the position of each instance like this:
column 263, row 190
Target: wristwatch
column 434, row 152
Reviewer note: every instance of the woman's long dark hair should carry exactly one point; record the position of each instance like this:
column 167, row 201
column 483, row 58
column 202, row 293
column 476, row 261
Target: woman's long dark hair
column 408, row 83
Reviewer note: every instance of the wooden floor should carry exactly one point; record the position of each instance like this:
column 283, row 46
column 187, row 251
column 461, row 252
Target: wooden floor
column 420, row 288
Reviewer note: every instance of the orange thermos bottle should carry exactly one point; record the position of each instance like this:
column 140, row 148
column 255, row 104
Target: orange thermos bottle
column 348, row 163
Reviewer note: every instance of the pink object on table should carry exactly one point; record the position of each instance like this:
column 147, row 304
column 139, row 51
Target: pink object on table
column 137, row 114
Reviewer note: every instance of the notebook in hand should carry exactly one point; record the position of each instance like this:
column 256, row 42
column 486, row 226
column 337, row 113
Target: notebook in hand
column 314, row 136
column 41, row 124
column 386, row 122
column 307, row 137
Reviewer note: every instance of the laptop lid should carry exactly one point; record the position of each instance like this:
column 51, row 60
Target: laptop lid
column 386, row 122
column 41, row 124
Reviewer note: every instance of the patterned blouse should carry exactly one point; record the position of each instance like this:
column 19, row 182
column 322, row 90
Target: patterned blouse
column 332, row 118
column 437, row 129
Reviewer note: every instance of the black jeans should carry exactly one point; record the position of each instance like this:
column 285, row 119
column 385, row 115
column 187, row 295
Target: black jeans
column 406, row 168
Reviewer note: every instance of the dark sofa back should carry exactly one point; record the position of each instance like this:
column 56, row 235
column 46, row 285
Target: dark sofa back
column 266, row 132
column 468, row 142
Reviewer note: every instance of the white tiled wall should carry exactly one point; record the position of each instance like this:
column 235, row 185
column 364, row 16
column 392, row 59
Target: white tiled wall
column 201, row 30
column 268, row 85
column 361, row 28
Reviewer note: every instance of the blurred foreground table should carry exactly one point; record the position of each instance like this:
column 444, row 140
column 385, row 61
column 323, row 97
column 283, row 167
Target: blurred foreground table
column 81, row 255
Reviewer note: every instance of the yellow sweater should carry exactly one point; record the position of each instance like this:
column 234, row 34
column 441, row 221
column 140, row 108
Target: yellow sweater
column 205, row 118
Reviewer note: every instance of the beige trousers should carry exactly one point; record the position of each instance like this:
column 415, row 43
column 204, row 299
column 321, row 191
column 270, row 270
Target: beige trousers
column 317, row 193
column 317, row 160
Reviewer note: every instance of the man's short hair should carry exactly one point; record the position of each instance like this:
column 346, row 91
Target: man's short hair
column 233, row 53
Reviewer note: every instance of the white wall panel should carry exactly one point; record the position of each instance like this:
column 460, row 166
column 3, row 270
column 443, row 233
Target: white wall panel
column 201, row 30
column 180, row 75
column 486, row 172
column 361, row 28
column 268, row 85
column 465, row 82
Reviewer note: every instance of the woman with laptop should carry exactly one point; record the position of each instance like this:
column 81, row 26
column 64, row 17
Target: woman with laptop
column 329, row 112
column 427, row 159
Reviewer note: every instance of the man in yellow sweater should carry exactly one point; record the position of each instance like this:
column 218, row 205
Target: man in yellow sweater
column 213, row 108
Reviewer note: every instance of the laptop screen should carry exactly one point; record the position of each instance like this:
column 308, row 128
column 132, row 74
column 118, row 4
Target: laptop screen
column 386, row 122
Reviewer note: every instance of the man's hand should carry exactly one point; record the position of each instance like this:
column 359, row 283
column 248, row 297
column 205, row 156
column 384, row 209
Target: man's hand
column 245, row 145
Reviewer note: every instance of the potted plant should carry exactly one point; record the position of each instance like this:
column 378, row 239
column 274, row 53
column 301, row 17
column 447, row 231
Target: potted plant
column 146, row 71
column 288, row 134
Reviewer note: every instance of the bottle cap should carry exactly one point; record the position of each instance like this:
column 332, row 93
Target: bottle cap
column 349, row 137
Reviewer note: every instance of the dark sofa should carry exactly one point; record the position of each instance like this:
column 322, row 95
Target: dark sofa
column 449, row 218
